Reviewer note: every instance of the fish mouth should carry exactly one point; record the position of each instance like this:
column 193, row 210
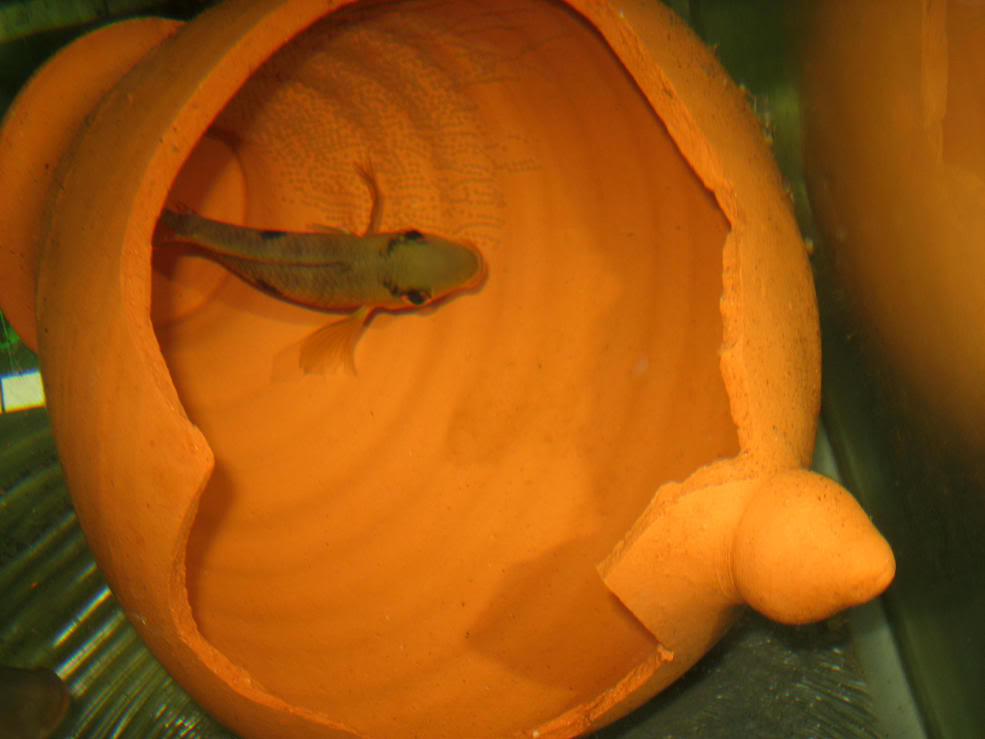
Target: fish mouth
column 478, row 280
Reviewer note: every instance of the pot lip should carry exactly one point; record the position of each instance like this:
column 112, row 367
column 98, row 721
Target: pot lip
column 29, row 153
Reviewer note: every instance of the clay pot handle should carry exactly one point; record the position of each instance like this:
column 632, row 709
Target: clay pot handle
column 795, row 546
column 805, row 549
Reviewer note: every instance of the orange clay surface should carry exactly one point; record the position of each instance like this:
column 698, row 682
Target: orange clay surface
column 467, row 538
column 897, row 185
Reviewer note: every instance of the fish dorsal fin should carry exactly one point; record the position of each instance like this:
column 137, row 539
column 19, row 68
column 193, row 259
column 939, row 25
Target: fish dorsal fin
column 326, row 349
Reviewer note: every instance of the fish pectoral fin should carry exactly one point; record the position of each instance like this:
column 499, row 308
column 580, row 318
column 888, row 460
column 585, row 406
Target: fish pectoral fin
column 326, row 349
column 368, row 175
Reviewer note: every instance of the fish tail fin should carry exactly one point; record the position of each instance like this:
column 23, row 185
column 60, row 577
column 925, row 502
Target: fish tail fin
column 326, row 349
column 174, row 225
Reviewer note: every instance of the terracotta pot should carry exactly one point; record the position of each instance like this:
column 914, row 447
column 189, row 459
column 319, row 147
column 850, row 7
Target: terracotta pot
column 417, row 550
column 897, row 162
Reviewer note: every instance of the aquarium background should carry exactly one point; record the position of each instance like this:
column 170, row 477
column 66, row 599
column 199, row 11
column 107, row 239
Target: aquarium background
column 908, row 665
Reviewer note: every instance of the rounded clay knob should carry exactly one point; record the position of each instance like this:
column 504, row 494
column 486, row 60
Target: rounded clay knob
column 804, row 549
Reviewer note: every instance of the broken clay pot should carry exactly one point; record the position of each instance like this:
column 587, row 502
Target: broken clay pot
column 535, row 506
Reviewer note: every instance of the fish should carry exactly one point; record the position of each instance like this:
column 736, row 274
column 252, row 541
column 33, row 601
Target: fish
column 33, row 702
column 332, row 270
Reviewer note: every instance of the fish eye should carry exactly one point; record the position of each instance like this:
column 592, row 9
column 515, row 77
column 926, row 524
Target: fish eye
column 412, row 235
column 417, row 297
